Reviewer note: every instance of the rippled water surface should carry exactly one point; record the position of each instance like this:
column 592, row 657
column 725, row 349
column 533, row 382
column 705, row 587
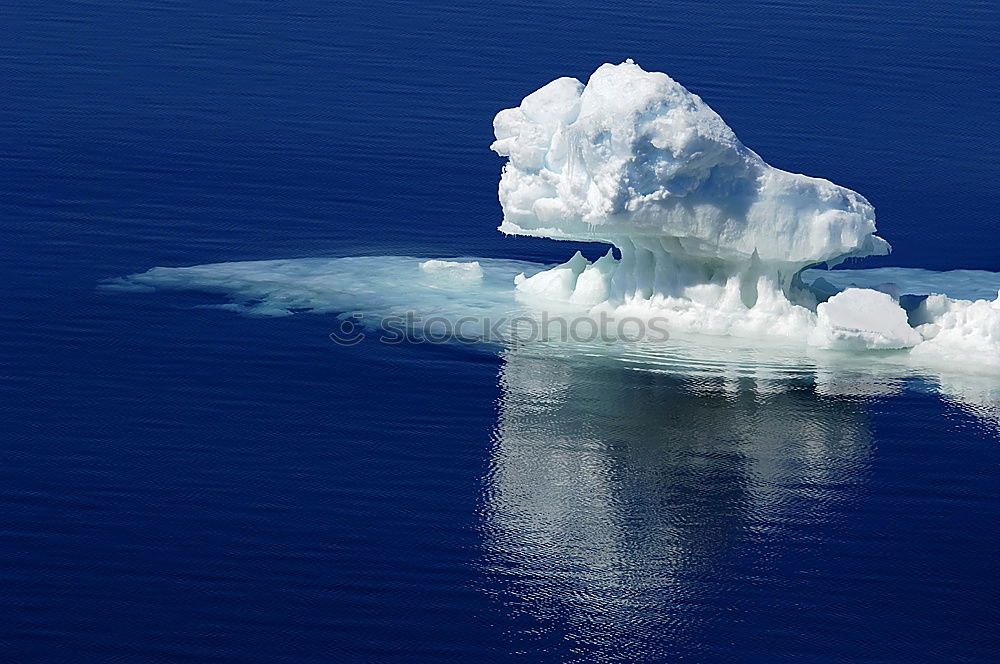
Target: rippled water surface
column 179, row 483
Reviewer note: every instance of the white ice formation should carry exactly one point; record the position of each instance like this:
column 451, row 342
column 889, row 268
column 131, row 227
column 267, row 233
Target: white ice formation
column 959, row 331
column 453, row 270
column 861, row 318
column 635, row 160
column 711, row 237
column 711, row 240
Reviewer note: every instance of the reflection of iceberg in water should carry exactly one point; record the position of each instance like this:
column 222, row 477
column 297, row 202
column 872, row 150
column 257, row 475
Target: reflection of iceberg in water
column 977, row 395
column 614, row 495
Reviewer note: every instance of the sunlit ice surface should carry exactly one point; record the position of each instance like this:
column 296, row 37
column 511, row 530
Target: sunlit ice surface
column 711, row 240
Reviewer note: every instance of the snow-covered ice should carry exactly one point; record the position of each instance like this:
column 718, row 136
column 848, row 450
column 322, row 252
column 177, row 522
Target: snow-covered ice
column 711, row 237
column 634, row 159
column 959, row 331
column 705, row 235
column 862, row 318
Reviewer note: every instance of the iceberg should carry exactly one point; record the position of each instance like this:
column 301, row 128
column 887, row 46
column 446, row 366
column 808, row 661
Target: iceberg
column 706, row 229
column 710, row 236
column 704, row 235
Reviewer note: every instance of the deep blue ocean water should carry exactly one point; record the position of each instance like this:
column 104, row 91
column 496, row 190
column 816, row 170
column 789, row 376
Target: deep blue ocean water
column 181, row 484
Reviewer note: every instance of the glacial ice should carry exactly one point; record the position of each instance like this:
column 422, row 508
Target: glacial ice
column 705, row 235
column 959, row 331
column 711, row 237
column 862, row 318
column 634, row 159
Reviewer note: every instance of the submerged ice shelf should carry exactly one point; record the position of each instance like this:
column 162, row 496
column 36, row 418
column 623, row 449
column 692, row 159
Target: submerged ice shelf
column 709, row 238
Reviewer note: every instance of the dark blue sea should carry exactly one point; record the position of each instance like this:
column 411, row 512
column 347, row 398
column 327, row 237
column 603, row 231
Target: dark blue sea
column 180, row 483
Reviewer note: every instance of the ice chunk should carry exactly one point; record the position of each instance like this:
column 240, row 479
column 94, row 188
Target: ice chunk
column 633, row 154
column 960, row 331
column 593, row 286
column 453, row 271
column 862, row 318
column 557, row 283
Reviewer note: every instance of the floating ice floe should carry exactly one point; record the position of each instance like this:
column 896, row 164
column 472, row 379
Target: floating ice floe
column 705, row 235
